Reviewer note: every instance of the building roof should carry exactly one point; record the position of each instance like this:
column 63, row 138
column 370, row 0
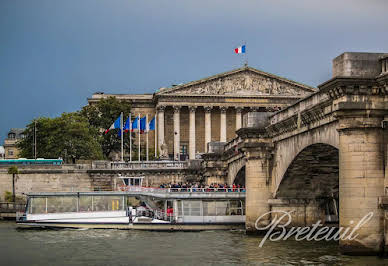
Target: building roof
column 302, row 86
column 17, row 131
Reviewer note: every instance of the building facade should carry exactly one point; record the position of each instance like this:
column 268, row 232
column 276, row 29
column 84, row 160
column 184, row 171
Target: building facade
column 191, row 115
column 10, row 143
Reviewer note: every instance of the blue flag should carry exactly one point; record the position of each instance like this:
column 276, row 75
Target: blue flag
column 143, row 126
column 127, row 126
column 152, row 124
column 134, row 124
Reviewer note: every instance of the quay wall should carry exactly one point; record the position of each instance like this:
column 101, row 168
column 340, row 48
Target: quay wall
column 76, row 178
column 45, row 181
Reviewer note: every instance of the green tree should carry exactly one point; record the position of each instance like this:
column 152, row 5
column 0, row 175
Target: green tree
column 69, row 135
column 13, row 170
column 101, row 115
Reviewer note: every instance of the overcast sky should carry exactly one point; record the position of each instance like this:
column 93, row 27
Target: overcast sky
column 54, row 54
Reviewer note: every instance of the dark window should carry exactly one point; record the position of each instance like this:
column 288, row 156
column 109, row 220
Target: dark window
column 183, row 149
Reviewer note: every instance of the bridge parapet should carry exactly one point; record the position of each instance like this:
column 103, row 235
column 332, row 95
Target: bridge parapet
column 311, row 111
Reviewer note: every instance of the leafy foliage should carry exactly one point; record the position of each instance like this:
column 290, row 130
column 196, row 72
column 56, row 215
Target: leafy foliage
column 78, row 135
column 101, row 116
column 8, row 196
column 69, row 135
column 13, row 170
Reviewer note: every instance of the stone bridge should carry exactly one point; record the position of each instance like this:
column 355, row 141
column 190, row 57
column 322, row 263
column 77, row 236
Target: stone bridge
column 324, row 156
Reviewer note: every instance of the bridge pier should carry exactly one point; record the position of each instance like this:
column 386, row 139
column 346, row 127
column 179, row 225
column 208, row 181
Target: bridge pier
column 258, row 180
column 303, row 212
column 361, row 178
column 257, row 148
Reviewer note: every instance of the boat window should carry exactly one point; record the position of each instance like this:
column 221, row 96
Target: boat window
column 38, row 205
column 192, row 208
column 179, row 211
column 209, row 208
column 59, row 204
column 222, row 208
column 108, row 203
column 85, row 203
column 236, row 207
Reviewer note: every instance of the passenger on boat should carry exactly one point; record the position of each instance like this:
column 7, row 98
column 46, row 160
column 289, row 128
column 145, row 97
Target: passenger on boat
column 194, row 187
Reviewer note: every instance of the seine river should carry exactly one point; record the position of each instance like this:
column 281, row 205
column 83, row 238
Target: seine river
column 120, row 247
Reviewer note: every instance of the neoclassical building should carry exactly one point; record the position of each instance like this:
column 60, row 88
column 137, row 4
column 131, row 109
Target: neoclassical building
column 210, row 109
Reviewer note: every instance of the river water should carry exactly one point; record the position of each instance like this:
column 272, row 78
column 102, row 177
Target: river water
column 122, row 247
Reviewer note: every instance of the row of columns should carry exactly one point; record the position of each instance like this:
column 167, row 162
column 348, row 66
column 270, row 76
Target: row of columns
column 384, row 65
column 192, row 128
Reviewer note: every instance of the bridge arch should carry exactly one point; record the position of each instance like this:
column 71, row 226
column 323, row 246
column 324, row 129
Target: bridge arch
column 314, row 173
column 294, row 145
column 235, row 169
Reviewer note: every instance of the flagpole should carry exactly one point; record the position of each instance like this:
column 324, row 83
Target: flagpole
column 138, row 128
column 130, row 138
column 122, row 137
column 155, row 132
column 246, row 54
column 147, row 128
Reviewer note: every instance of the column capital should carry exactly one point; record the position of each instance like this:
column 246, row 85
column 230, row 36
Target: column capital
column 192, row 108
column 177, row 108
column 208, row 109
column 239, row 109
column 223, row 109
column 160, row 108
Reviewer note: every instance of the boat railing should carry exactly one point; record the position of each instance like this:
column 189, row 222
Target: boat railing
column 150, row 165
column 161, row 215
column 174, row 190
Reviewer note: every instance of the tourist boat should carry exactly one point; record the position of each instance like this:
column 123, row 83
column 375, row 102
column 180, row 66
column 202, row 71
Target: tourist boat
column 154, row 209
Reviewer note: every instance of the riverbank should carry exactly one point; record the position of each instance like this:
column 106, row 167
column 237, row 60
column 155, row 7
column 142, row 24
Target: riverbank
column 122, row 247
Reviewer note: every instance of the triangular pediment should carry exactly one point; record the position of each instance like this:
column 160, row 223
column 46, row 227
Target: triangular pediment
column 244, row 81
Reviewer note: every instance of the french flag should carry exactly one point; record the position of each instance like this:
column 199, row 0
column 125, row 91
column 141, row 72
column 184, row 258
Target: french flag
column 240, row 50
column 115, row 125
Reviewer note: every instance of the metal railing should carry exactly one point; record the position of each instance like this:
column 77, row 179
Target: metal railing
column 150, row 165
column 161, row 215
column 172, row 190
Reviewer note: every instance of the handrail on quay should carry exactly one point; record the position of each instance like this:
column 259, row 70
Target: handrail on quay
column 11, row 207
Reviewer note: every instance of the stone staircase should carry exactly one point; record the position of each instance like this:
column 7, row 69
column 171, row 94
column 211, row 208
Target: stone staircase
column 102, row 183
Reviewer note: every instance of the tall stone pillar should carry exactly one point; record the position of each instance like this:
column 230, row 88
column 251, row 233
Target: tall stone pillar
column 361, row 180
column 177, row 136
column 360, row 112
column 208, row 126
column 238, row 117
column 192, row 133
column 223, row 124
column 257, row 151
column 160, row 127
